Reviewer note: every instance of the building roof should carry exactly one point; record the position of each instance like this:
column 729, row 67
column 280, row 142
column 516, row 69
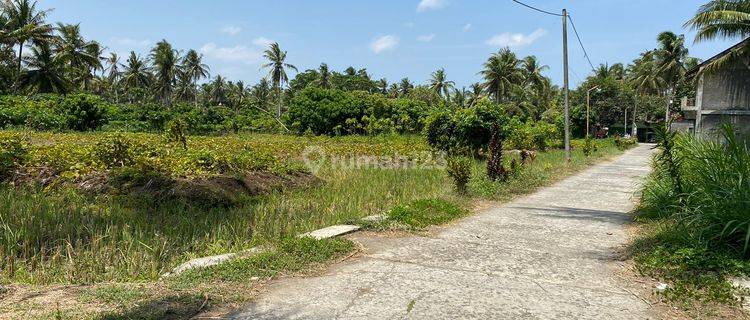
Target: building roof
column 718, row 56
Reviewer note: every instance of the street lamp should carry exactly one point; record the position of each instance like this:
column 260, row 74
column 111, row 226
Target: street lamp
column 588, row 106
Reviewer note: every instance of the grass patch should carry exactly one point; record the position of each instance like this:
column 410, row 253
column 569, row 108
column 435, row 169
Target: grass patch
column 696, row 271
column 422, row 213
column 289, row 255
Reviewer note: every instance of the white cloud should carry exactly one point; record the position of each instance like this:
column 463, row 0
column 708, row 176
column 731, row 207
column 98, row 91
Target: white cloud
column 130, row 42
column 425, row 5
column 231, row 30
column 239, row 53
column 384, row 43
column 262, row 42
column 515, row 39
column 426, row 38
column 466, row 27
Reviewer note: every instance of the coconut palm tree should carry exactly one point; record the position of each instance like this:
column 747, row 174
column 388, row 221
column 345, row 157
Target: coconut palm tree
column 261, row 94
column 405, row 87
column 671, row 56
column 724, row 19
column 644, row 78
column 79, row 55
column 25, row 23
column 324, row 77
column 532, row 72
column 218, row 91
column 136, row 74
column 277, row 70
column 194, row 70
column 382, row 86
column 461, row 97
column 440, row 85
column 113, row 73
column 165, row 67
column 45, row 74
column 501, row 74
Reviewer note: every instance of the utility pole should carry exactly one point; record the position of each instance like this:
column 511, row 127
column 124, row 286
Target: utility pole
column 565, row 81
column 625, row 131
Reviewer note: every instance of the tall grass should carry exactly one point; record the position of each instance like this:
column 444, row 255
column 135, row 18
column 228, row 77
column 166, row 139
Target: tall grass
column 64, row 237
column 704, row 186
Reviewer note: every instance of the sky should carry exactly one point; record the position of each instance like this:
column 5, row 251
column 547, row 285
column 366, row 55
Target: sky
column 392, row 39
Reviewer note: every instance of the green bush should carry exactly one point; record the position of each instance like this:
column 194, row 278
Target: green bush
column 469, row 128
column 114, row 151
column 336, row 112
column 176, row 133
column 459, row 169
column 84, row 112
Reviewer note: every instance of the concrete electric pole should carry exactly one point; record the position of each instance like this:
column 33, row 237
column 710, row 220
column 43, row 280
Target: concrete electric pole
column 565, row 82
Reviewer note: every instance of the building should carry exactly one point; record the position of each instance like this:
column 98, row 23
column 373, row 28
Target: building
column 722, row 96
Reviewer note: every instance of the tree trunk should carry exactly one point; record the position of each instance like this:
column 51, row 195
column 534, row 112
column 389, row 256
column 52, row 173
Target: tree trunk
column 635, row 116
column 278, row 109
column 20, row 57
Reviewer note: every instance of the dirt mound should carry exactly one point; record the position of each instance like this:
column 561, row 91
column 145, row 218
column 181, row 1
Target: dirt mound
column 222, row 189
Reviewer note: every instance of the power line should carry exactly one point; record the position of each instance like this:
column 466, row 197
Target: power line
column 537, row 9
column 578, row 36
column 585, row 54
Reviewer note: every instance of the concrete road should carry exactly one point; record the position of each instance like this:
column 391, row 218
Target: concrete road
column 549, row 255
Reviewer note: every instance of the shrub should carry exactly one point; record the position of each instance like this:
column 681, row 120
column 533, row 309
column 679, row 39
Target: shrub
column 495, row 168
column 468, row 127
column 459, row 169
column 114, row 151
column 589, row 146
column 84, row 112
column 176, row 132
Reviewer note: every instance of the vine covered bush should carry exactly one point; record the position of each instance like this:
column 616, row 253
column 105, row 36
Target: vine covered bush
column 336, row 112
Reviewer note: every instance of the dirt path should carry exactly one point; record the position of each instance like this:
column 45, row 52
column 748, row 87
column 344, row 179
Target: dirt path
column 550, row 255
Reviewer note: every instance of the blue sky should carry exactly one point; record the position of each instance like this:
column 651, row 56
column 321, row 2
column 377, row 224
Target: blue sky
column 391, row 38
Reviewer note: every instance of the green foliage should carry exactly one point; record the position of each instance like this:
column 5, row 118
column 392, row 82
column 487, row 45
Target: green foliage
column 336, row 112
column 469, row 128
column 625, row 143
column 13, row 152
column 176, row 133
column 459, row 169
column 114, row 151
column 84, row 112
column 495, row 167
column 696, row 270
column 589, row 146
column 531, row 135
column 426, row 212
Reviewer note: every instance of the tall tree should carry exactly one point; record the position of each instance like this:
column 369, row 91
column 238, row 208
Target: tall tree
column 165, row 66
column 194, row 69
column 501, row 74
column 405, row 86
column 324, row 77
column 261, row 94
column 725, row 19
column 382, row 86
column 277, row 70
column 136, row 74
column 25, row 23
column 45, row 73
column 671, row 56
column 113, row 73
column 79, row 55
column 440, row 84
column 532, row 73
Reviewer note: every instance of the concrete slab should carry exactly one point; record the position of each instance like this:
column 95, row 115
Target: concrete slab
column 330, row 232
